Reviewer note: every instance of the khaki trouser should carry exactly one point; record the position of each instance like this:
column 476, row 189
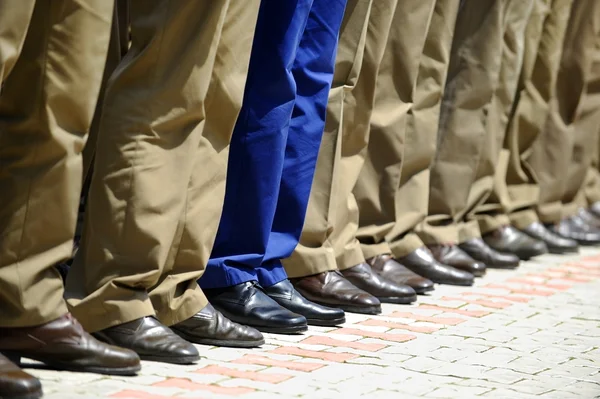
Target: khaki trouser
column 591, row 190
column 393, row 189
column 347, row 102
column 516, row 190
column 52, row 57
column 563, row 153
column 159, row 174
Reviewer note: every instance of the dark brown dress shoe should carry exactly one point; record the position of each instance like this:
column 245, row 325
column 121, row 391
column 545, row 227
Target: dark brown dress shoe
column 479, row 250
column 452, row 255
column 577, row 229
column 589, row 217
column 509, row 239
column 423, row 263
column 556, row 244
column 64, row 345
column 363, row 277
column 17, row 384
column 151, row 340
column 210, row 327
column 386, row 266
column 287, row 296
column 332, row 289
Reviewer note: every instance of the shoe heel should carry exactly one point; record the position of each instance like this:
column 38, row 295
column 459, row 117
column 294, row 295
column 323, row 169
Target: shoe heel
column 13, row 357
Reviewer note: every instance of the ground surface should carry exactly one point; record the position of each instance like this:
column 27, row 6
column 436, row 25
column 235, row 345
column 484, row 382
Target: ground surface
column 534, row 332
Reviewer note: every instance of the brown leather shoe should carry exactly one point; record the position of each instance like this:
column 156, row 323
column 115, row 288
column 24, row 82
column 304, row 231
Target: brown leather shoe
column 452, row 255
column 210, row 327
column 479, row 250
column 422, row 262
column 332, row 289
column 363, row 277
column 64, row 345
column 509, row 239
column 386, row 266
column 17, row 384
column 151, row 340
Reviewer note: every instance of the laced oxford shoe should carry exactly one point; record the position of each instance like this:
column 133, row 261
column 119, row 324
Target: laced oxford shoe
column 247, row 303
column 556, row 244
column 286, row 295
column 63, row 345
column 479, row 250
column 386, row 266
column 17, row 384
column 577, row 229
column 210, row 327
column 423, row 263
column 363, row 277
column 452, row 255
column 509, row 239
column 332, row 289
column 151, row 340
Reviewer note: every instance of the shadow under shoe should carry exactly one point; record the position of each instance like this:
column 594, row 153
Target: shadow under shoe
column 210, row 327
column 248, row 304
column 332, row 289
column 286, row 295
column 63, row 344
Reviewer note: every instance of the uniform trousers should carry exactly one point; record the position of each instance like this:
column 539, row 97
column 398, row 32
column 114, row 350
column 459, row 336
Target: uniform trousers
column 276, row 141
column 52, row 56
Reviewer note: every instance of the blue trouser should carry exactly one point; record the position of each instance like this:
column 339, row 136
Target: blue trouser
column 276, row 141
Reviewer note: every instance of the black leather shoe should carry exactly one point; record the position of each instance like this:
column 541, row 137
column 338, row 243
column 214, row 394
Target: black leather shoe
column 286, row 295
column 332, row 289
column 151, row 340
column 576, row 229
column 452, row 255
column 386, row 266
column 479, row 250
column 210, row 327
column 248, row 304
column 363, row 277
column 423, row 263
column 17, row 384
column 63, row 344
column 589, row 217
column 509, row 239
column 555, row 243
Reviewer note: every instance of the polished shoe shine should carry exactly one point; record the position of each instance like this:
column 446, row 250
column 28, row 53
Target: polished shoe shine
column 248, row 304
column 479, row 250
column 64, row 345
column 556, row 244
column 363, row 277
column 422, row 262
column 331, row 288
column 452, row 255
column 151, row 340
column 210, row 327
column 386, row 266
column 286, row 295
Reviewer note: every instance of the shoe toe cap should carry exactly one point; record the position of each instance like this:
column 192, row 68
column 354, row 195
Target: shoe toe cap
column 420, row 284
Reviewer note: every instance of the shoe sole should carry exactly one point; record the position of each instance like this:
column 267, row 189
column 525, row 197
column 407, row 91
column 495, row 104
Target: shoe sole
column 28, row 396
column 421, row 291
column 459, row 284
column 358, row 309
column 124, row 371
column 326, row 323
column 229, row 343
column 282, row 330
column 181, row 360
column 398, row 300
column 557, row 251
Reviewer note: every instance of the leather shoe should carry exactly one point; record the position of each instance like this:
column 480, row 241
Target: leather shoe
column 577, row 229
column 509, row 239
column 286, row 295
column 479, row 250
column 332, row 289
column 63, row 345
column 248, row 304
column 363, row 277
column 555, row 243
column 452, row 255
column 386, row 266
column 17, row 384
column 210, row 327
column 595, row 209
column 423, row 263
column 589, row 217
column 151, row 340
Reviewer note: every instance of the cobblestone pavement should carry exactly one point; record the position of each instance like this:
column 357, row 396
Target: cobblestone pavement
column 534, row 332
